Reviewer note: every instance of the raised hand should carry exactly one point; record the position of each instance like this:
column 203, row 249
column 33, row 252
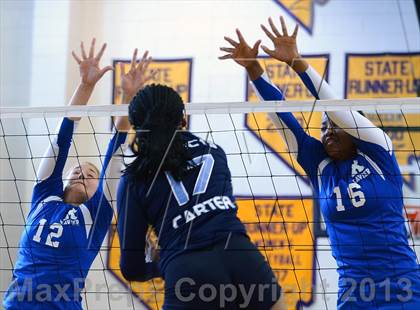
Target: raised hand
column 241, row 52
column 285, row 48
column 135, row 78
column 90, row 72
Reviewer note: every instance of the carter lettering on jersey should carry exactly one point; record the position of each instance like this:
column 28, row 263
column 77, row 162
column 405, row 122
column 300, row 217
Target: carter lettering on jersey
column 215, row 203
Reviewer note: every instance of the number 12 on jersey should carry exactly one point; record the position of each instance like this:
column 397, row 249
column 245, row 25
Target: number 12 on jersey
column 56, row 232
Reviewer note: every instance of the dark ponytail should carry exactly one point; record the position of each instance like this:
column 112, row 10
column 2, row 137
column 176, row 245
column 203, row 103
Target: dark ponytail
column 156, row 113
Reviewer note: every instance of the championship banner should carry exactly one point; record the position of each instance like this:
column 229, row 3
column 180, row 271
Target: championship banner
column 392, row 75
column 175, row 73
column 302, row 11
column 293, row 88
column 388, row 75
column 283, row 232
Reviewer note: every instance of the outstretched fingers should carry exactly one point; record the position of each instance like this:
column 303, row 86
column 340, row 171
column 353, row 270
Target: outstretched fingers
column 144, row 66
column 256, row 46
column 227, row 56
column 144, row 57
column 92, row 48
column 122, row 69
column 133, row 60
column 274, row 28
column 227, row 49
column 82, row 48
column 101, row 52
column 268, row 33
column 268, row 51
column 143, row 61
column 232, row 42
column 147, row 63
column 78, row 60
column 295, row 32
column 240, row 37
column 283, row 26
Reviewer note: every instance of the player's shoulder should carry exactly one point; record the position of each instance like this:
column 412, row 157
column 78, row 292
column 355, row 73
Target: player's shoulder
column 128, row 182
column 312, row 154
column 384, row 162
column 47, row 207
column 41, row 197
column 198, row 145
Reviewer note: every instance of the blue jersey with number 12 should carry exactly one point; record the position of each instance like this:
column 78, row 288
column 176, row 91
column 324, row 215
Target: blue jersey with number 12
column 60, row 240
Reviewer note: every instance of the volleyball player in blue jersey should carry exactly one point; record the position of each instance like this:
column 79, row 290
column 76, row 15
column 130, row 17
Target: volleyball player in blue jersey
column 181, row 185
column 356, row 179
column 66, row 225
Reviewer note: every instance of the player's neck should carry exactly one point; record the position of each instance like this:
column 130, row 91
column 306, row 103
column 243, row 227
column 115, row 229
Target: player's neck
column 342, row 156
column 72, row 198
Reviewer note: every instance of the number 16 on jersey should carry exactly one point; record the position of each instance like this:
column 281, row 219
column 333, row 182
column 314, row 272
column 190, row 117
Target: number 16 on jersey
column 357, row 197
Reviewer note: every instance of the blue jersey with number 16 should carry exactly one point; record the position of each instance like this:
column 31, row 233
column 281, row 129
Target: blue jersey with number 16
column 361, row 200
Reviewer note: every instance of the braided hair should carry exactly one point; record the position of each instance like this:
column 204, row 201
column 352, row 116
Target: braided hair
column 156, row 113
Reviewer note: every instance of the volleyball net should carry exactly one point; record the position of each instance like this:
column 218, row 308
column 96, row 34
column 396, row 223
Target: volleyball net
column 274, row 196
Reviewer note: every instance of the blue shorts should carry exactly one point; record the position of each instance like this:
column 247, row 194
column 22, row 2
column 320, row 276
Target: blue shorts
column 230, row 275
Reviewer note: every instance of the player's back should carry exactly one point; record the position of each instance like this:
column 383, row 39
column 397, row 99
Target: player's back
column 195, row 211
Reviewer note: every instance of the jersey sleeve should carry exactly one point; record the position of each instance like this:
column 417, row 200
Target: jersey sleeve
column 384, row 161
column 50, row 171
column 369, row 139
column 308, row 151
column 132, row 228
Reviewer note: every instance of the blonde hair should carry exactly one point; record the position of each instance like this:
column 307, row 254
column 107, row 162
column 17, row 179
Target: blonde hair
column 93, row 166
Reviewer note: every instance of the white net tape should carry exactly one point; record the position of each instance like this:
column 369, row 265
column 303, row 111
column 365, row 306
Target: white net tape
column 264, row 175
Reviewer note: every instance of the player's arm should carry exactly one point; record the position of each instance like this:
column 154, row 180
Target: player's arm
column 100, row 212
column 285, row 50
column 352, row 122
column 49, row 173
column 307, row 150
column 287, row 125
column 132, row 230
column 131, row 83
column 246, row 56
column 132, row 225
